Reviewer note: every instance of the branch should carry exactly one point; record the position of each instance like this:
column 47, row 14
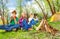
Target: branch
column 50, row 7
column 41, row 9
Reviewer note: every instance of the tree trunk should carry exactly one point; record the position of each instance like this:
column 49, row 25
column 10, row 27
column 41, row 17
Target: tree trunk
column 44, row 15
column 58, row 5
column 3, row 12
column 3, row 17
column 44, row 26
column 51, row 8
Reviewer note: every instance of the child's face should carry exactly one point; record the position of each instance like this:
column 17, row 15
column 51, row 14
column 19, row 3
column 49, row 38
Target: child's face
column 13, row 14
column 31, row 15
column 24, row 15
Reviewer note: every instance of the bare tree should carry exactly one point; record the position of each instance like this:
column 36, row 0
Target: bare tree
column 44, row 24
column 51, row 8
column 44, row 15
column 3, row 11
column 3, row 3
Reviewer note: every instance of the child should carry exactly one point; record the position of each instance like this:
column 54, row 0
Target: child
column 23, row 22
column 36, row 18
column 13, row 19
column 31, row 20
column 13, row 23
column 21, row 19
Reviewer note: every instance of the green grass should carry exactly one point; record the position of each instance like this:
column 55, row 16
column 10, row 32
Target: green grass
column 55, row 25
column 30, row 34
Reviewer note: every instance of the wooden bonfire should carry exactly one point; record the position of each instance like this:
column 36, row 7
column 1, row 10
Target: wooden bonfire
column 44, row 26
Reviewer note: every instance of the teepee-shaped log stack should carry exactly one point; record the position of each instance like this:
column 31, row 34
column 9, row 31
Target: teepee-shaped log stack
column 44, row 26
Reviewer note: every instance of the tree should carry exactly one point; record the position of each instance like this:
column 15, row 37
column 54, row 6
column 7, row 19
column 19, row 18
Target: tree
column 51, row 8
column 44, row 15
column 53, row 5
column 3, row 7
column 19, row 7
column 57, row 5
column 44, row 24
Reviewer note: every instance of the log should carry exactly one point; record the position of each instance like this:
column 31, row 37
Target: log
column 44, row 26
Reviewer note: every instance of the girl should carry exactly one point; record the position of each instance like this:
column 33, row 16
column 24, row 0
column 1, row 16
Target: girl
column 23, row 22
column 31, row 20
column 23, row 16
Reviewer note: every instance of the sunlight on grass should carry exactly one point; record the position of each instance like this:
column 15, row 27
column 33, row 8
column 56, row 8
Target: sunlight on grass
column 30, row 34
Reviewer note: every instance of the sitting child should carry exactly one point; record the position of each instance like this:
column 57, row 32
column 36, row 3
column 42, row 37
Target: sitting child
column 31, row 17
column 23, row 22
column 13, row 23
column 32, row 20
column 13, row 19
column 36, row 18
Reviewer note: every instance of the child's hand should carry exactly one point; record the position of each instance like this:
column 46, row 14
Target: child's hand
column 17, row 22
column 14, row 18
column 11, row 17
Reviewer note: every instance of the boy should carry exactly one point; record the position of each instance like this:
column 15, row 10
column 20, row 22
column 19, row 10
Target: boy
column 13, row 19
column 13, row 23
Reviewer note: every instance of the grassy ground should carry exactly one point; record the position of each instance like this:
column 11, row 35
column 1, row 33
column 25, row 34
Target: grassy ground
column 31, row 34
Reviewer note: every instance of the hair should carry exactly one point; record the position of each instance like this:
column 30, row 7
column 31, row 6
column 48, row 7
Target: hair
column 35, row 14
column 14, row 12
column 31, row 14
column 23, row 14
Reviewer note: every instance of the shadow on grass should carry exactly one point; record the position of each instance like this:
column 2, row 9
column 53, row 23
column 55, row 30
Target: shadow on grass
column 5, row 32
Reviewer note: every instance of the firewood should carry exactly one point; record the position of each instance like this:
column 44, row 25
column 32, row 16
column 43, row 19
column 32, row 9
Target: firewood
column 44, row 26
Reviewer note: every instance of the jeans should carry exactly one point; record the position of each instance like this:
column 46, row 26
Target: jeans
column 26, row 26
column 9, row 27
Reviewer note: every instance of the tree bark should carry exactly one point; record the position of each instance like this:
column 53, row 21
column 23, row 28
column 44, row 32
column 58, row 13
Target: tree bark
column 51, row 8
column 58, row 5
column 44, row 15
column 3, row 13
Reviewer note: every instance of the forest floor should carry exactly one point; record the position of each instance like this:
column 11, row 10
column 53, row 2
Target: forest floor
column 31, row 34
